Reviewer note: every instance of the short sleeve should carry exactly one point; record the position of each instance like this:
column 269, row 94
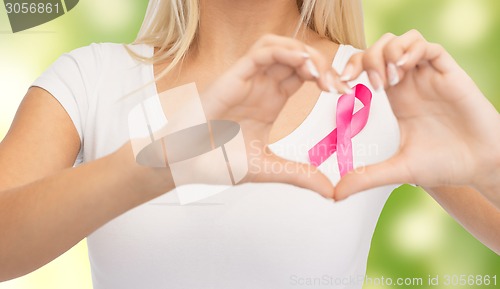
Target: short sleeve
column 70, row 80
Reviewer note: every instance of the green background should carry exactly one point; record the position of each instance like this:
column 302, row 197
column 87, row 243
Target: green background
column 414, row 237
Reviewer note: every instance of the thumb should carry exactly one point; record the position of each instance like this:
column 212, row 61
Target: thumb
column 391, row 171
column 276, row 169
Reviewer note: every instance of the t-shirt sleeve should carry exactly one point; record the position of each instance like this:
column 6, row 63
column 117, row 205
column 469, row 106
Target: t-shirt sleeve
column 71, row 79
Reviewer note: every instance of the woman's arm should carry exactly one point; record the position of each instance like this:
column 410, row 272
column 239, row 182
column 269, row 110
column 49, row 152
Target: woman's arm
column 474, row 212
column 46, row 207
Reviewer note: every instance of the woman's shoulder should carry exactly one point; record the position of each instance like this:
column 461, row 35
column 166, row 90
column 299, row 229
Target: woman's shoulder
column 104, row 57
column 98, row 61
column 102, row 52
column 90, row 68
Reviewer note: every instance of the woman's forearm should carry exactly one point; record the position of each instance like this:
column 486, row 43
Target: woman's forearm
column 473, row 211
column 41, row 220
column 488, row 183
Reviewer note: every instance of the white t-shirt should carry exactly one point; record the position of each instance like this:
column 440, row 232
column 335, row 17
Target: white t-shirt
column 250, row 236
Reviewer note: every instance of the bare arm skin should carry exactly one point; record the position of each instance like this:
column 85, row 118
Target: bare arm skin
column 474, row 212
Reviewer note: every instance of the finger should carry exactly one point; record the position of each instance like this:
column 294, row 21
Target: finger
column 312, row 69
column 398, row 46
column 276, row 169
column 265, row 57
column 353, row 67
column 412, row 49
column 309, row 65
column 327, row 78
column 409, row 59
column 412, row 56
column 283, row 69
column 291, row 84
column 312, row 66
column 290, row 62
column 440, row 59
column 317, row 66
column 374, row 62
column 272, row 40
column 279, row 72
column 398, row 51
column 260, row 60
column 388, row 172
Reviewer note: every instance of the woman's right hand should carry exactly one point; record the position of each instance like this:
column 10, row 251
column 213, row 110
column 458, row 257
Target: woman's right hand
column 252, row 93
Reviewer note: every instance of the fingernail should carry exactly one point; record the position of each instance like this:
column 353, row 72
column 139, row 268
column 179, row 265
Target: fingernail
column 305, row 55
column 347, row 74
column 402, row 61
column 375, row 80
column 348, row 90
column 392, row 74
column 330, row 82
column 312, row 68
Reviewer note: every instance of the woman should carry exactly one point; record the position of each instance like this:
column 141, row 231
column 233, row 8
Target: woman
column 253, row 235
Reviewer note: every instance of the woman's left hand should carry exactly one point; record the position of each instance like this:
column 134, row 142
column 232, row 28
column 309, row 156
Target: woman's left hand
column 449, row 130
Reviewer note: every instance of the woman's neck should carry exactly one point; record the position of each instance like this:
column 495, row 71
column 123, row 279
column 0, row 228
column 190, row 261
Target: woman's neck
column 229, row 27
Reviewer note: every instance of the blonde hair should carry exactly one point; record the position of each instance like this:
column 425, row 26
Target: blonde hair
column 172, row 26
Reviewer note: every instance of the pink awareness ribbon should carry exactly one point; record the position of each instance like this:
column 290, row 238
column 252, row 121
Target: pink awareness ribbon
column 348, row 126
